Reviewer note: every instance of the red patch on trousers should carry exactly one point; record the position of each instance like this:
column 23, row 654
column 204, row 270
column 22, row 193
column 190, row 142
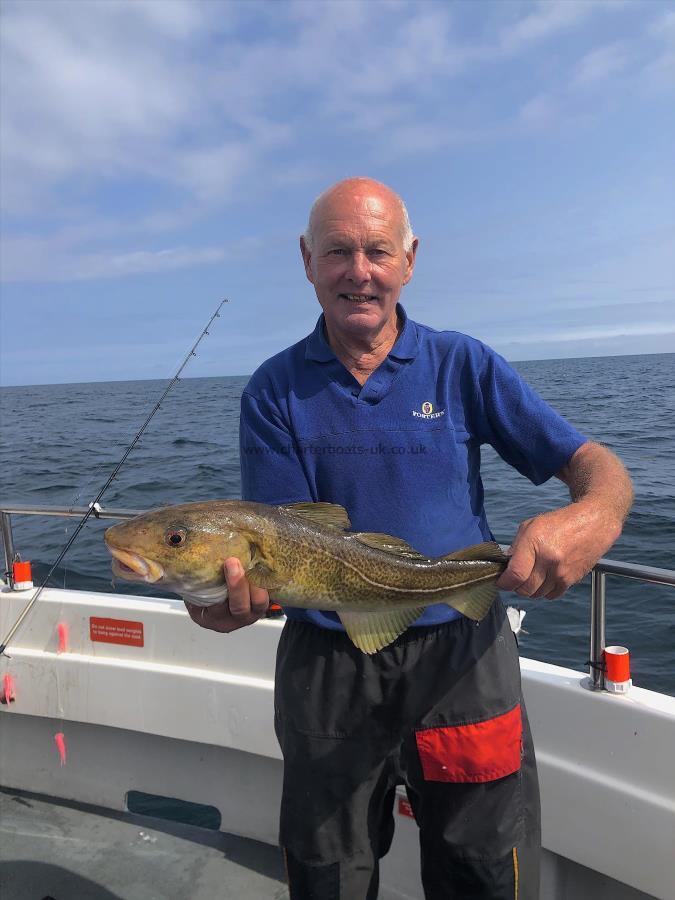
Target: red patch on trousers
column 483, row 751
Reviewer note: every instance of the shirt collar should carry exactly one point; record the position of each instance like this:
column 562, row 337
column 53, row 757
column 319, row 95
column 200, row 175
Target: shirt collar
column 318, row 348
column 406, row 347
column 408, row 343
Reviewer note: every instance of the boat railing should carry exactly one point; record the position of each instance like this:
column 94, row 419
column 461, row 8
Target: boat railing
column 599, row 573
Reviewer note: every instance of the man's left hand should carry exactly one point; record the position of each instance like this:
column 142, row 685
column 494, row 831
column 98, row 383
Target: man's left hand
column 553, row 551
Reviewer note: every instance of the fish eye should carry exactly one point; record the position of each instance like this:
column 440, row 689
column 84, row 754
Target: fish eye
column 174, row 537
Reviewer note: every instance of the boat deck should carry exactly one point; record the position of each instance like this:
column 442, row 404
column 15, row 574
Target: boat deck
column 56, row 850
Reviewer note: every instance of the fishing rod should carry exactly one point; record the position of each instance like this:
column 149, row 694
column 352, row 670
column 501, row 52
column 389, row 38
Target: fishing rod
column 93, row 506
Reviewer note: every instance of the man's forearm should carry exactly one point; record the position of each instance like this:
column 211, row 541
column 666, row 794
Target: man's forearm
column 597, row 478
column 556, row 549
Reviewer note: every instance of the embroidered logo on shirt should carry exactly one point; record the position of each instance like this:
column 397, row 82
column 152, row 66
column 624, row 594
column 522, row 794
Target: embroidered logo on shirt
column 428, row 411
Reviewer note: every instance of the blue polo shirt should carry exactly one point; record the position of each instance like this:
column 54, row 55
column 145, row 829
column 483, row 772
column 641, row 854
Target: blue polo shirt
column 402, row 452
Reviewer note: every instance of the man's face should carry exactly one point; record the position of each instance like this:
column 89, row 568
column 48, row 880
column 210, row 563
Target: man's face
column 357, row 263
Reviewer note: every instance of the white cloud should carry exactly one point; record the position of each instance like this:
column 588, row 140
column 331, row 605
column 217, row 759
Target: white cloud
column 112, row 90
column 663, row 27
column 589, row 332
column 172, row 95
column 139, row 261
column 659, row 73
column 594, row 83
column 193, row 101
column 209, row 173
column 56, row 259
column 600, row 64
column 539, row 110
column 548, row 18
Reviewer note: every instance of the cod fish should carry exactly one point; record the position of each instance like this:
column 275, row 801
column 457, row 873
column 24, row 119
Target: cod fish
column 305, row 556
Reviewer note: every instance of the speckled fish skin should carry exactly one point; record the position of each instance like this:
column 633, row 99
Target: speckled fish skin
column 303, row 554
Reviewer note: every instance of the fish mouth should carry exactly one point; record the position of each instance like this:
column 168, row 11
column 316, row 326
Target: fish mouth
column 133, row 567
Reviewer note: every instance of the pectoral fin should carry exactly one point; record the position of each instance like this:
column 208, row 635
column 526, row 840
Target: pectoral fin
column 372, row 631
column 262, row 576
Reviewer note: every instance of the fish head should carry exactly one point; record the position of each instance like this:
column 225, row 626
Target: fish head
column 181, row 548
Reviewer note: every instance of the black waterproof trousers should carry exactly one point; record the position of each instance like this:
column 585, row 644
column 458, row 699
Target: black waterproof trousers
column 440, row 711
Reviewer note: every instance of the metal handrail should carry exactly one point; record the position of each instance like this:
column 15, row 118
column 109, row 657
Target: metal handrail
column 604, row 567
column 66, row 512
column 70, row 512
column 599, row 573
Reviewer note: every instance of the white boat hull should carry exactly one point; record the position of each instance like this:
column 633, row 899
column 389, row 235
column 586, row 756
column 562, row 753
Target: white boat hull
column 189, row 715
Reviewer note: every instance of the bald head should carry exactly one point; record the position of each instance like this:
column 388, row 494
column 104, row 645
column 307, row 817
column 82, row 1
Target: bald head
column 362, row 188
column 359, row 253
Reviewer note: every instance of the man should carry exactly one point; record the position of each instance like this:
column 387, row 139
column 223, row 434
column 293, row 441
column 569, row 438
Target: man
column 386, row 417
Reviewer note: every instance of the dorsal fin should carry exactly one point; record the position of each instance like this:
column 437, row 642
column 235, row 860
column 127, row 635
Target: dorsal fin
column 389, row 544
column 330, row 515
column 489, row 551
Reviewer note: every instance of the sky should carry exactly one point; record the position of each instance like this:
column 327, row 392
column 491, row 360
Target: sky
column 159, row 156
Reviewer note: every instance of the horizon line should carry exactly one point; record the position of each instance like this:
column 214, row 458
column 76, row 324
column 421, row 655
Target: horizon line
column 195, row 377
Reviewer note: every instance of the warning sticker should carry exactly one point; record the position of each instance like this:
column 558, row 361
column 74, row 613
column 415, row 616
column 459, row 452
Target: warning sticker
column 116, row 631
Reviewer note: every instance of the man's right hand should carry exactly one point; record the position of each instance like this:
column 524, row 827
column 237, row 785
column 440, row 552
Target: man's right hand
column 245, row 603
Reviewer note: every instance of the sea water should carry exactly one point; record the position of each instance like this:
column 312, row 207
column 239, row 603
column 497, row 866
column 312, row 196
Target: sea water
column 60, row 443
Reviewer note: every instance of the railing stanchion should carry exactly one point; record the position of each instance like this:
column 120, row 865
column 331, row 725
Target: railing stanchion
column 8, row 544
column 597, row 673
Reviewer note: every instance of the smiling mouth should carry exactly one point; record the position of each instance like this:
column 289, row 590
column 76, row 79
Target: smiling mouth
column 359, row 298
